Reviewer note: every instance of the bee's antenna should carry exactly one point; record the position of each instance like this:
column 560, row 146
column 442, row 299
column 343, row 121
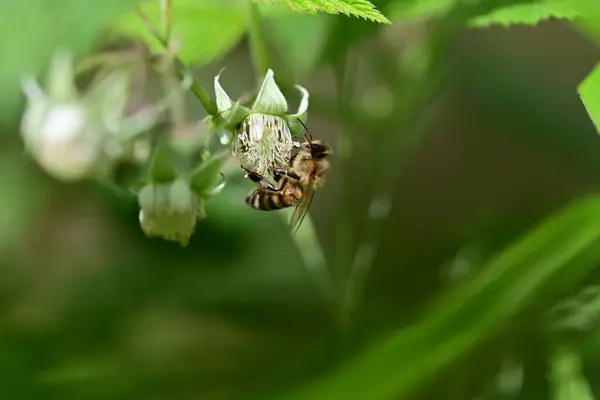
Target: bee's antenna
column 306, row 129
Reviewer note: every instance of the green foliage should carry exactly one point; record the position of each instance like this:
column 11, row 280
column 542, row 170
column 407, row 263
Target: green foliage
column 206, row 29
column 589, row 91
column 565, row 248
column 36, row 28
column 529, row 13
column 418, row 9
column 359, row 8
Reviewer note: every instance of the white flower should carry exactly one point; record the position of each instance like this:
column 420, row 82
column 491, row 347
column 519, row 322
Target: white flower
column 261, row 141
column 262, row 134
column 68, row 147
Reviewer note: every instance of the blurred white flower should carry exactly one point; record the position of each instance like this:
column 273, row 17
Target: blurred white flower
column 73, row 136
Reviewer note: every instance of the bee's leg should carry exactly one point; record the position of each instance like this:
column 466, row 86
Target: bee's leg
column 260, row 180
column 282, row 172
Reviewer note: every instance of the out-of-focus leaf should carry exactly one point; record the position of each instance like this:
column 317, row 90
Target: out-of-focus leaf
column 568, row 380
column 205, row 176
column 577, row 313
column 551, row 258
column 589, row 91
column 418, row 9
column 588, row 15
column 358, row 8
column 23, row 192
column 529, row 14
column 35, row 28
column 300, row 38
column 207, row 29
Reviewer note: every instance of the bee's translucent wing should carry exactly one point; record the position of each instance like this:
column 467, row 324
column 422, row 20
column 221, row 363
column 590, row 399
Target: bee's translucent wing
column 302, row 207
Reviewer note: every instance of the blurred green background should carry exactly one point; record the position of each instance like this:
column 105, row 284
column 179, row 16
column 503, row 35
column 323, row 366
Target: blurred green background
column 467, row 139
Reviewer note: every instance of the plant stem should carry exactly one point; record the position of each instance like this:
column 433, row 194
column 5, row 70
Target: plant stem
column 181, row 70
column 167, row 18
column 393, row 151
column 258, row 43
column 309, row 247
column 107, row 58
column 344, row 236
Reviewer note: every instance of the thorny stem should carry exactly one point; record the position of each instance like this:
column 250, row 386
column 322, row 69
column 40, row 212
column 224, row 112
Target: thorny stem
column 181, row 70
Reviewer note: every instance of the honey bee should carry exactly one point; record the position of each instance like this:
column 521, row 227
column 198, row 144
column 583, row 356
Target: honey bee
column 296, row 184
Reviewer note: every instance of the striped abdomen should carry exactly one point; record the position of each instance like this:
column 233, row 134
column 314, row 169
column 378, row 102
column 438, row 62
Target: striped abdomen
column 268, row 200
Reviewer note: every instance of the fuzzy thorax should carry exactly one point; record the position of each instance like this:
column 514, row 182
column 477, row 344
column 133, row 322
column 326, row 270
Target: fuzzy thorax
column 263, row 141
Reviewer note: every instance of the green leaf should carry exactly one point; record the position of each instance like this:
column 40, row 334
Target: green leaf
column 589, row 92
column 529, row 14
column 550, row 259
column 358, row 8
column 36, row 28
column 163, row 164
column 589, row 15
column 205, row 177
column 206, row 29
column 418, row 9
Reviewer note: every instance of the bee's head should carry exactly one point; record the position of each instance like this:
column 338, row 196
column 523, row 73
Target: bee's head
column 319, row 149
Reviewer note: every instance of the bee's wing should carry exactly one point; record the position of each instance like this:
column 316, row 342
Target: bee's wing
column 302, row 207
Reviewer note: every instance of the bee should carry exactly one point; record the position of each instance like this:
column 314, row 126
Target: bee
column 296, row 184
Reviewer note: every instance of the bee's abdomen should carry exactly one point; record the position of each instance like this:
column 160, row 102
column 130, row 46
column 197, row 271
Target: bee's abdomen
column 265, row 200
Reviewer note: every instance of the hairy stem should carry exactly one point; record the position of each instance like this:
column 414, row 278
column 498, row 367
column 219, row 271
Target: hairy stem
column 181, row 70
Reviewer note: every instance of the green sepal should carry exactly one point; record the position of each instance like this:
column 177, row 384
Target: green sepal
column 296, row 127
column 269, row 99
column 205, row 178
column 60, row 83
column 162, row 167
column 231, row 118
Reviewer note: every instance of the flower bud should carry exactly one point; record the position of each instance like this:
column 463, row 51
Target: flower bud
column 72, row 136
column 170, row 210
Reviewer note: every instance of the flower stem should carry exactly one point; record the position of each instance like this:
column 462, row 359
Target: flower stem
column 344, row 234
column 309, row 247
column 258, row 43
column 167, row 18
column 180, row 68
